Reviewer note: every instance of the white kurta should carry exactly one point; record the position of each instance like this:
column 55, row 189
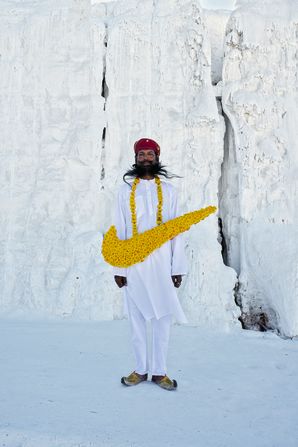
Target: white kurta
column 149, row 283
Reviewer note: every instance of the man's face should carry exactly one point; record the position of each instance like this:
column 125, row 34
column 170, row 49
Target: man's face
column 146, row 157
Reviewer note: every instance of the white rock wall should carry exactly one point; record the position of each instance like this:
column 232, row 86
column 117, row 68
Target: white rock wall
column 260, row 189
column 59, row 176
column 66, row 144
column 51, row 125
column 216, row 21
column 158, row 76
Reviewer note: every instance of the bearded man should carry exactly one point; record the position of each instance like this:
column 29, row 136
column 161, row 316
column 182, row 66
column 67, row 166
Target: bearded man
column 150, row 286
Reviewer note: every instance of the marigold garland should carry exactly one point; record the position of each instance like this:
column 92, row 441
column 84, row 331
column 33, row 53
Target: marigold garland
column 160, row 201
column 125, row 253
column 133, row 206
column 132, row 202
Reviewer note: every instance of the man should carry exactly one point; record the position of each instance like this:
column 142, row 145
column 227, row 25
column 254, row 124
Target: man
column 149, row 286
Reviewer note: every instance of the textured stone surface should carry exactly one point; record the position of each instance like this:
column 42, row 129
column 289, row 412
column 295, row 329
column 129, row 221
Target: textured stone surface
column 216, row 21
column 158, row 74
column 67, row 147
column 51, row 124
column 259, row 203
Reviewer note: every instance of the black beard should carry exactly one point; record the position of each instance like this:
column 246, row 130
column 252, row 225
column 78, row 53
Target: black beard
column 148, row 169
column 153, row 169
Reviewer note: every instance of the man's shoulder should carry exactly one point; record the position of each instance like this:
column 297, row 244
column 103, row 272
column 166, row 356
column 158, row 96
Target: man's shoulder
column 169, row 186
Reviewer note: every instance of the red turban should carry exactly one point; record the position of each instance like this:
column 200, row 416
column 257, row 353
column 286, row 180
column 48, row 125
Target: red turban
column 146, row 143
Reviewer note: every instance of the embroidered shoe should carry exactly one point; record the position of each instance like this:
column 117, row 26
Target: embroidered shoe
column 165, row 382
column 134, row 379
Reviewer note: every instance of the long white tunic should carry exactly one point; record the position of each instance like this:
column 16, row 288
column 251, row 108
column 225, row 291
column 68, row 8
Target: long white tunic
column 149, row 283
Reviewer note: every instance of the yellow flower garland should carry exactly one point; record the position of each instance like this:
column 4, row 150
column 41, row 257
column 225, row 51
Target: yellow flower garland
column 125, row 253
column 132, row 202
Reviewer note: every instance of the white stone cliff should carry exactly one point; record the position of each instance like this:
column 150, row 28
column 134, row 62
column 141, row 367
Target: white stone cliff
column 259, row 191
column 81, row 82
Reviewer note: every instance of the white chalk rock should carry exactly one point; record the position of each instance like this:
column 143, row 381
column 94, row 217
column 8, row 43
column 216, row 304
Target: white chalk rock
column 66, row 147
column 51, row 126
column 216, row 21
column 259, row 207
column 158, row 76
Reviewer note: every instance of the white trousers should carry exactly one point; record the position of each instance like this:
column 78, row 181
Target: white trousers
column 160, row 341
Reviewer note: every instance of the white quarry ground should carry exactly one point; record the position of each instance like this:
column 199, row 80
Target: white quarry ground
column 60, row 387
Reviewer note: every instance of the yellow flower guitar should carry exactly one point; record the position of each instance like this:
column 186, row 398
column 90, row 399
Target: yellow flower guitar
column 125, row 253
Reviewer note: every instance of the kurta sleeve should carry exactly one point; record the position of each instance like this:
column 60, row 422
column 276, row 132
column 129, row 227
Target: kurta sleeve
column 179, row 261
column 120, row 224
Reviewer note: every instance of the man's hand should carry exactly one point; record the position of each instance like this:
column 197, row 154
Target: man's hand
column 177, row 280
column 120, row 281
